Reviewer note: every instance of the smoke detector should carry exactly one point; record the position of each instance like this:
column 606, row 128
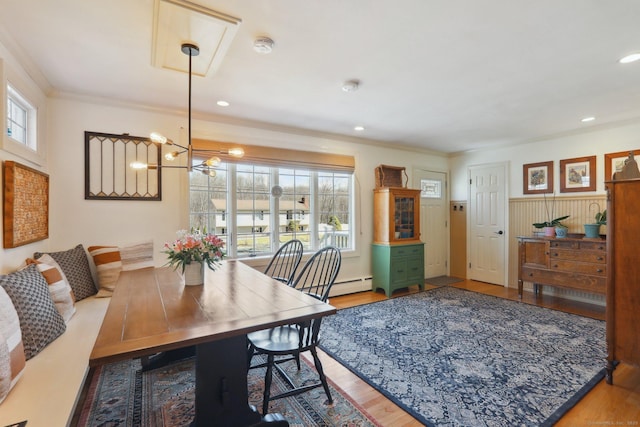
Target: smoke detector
column 263, row 45
column 351, row 85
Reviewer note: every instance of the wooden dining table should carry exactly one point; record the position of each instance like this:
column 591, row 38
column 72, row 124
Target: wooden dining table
column 152, row 311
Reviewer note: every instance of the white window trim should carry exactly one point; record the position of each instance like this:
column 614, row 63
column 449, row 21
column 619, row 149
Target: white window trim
column 34, row 96
column 231, row 212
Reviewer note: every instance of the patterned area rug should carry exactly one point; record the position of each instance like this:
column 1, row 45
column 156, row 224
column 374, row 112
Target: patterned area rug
column 452, row 357
column 122, row 395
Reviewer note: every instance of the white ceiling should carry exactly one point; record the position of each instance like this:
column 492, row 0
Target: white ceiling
column 445, row 75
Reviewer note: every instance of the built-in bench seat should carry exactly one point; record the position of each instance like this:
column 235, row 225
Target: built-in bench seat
column 48, row 391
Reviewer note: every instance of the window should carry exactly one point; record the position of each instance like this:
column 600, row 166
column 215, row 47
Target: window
column 21, row 119
column 315, row 207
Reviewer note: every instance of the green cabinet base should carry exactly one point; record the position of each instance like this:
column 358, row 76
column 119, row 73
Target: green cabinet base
column 397, row 266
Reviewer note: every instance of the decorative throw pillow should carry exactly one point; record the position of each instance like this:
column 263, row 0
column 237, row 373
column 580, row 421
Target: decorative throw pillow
column 108, row 267
column 136, row 256
column 59, row 288
column 12, row 359
column 40, row 321
column 75, row 266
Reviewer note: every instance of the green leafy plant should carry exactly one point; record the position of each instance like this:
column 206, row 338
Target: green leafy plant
column 335, row 222
column 550, row 222
column 600, row 216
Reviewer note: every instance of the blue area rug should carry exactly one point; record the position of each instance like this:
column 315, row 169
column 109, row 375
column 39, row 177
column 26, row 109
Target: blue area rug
column 452, row 357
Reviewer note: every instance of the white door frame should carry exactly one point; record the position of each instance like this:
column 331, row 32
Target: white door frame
column 470, row 210
column 445, row 192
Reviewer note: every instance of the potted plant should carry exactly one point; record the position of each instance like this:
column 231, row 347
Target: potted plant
column 191, row 251
column 592, row 231
column 561, row 230
column 550, row 224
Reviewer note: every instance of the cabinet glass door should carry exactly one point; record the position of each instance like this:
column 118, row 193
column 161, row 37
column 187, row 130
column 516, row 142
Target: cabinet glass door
column 404, row 217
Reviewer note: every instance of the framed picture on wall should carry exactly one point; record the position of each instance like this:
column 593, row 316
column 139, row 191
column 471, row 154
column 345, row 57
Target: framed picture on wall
column 613, row 162
column 537, row 178
column 26, row 205
column 578, row 174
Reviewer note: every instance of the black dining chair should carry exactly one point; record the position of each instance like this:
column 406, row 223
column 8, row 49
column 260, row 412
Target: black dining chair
column 285, row 261
column 285, row 343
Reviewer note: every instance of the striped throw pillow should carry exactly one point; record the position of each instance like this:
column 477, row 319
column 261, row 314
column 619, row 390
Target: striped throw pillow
column 108, row 267
column 136, row 256
column 12, row 358
column 75, row 266
column 59, row 288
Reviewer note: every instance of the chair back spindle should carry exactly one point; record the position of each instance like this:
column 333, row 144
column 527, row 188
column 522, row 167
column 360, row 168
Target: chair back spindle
column 319, row 273
column 285, row 261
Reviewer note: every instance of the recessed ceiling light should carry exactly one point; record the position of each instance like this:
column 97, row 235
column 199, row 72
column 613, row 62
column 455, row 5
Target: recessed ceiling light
column 263, row 45
column 630, row 58
column 222, row 103
column 588, row 119
column 358, row 128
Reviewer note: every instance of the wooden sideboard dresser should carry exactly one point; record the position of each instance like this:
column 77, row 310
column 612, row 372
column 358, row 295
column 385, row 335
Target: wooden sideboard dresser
column 570, row 262
column 623, row 274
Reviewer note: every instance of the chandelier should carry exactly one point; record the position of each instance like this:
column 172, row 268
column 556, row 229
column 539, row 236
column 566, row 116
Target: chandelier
column 206, row 166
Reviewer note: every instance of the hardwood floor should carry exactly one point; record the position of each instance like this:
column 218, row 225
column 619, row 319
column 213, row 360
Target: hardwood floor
column 604, row 405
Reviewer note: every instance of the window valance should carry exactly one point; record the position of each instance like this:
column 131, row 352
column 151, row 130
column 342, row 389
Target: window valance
column 277, row 157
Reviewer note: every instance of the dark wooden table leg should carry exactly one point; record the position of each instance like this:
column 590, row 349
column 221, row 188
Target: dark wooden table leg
column 222, row 397
column 166, row 357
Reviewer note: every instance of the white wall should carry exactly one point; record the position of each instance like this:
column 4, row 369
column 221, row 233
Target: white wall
column 74, row 220
column 593, row 141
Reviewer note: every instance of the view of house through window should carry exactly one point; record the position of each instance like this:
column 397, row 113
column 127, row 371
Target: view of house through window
column 255, row 209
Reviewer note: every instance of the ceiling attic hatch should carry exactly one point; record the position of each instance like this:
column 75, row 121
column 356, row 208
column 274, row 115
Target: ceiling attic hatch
column 176, row 22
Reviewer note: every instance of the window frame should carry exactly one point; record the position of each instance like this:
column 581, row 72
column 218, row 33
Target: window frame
column 232, row 234
column 35, row 149
column 29, row 128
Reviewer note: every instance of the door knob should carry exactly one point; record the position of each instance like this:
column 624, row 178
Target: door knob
column 499, row 232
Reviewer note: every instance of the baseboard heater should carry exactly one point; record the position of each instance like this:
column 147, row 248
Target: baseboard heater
column 350, row 286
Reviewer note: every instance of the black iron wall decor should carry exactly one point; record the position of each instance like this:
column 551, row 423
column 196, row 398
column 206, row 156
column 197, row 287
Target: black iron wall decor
column 108, row 174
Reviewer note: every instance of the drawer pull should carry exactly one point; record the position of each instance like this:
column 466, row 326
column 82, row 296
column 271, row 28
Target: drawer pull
column 555, row 266
column 555, row 254
column 600, row 258
column 530, row 274
column 599, row 270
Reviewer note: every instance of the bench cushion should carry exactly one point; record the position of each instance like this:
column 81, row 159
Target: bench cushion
column 49, row 388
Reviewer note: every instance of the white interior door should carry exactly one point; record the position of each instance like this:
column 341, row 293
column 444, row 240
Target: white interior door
column 434, row 229
column 487, row 223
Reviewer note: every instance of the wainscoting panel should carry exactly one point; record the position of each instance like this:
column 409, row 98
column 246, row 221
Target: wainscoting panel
column 523, row 212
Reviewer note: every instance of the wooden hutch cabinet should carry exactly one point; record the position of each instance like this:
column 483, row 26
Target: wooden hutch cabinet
column 623, row 274
column 569, row 262
column 397, row 252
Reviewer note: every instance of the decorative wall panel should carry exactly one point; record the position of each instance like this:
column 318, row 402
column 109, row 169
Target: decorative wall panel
column 26, row 205
column 108, row 174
